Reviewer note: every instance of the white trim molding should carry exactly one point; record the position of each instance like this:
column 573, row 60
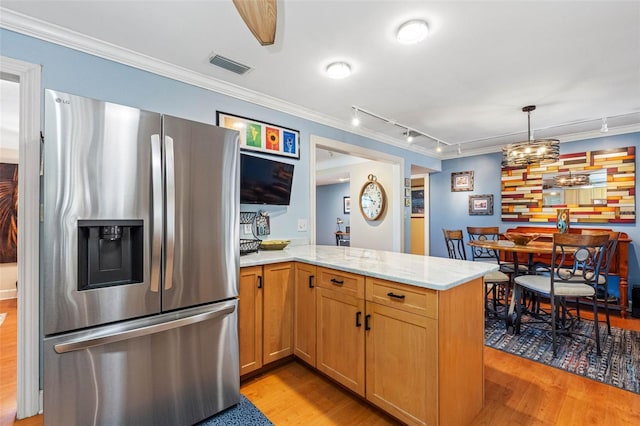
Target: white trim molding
column 28, row 374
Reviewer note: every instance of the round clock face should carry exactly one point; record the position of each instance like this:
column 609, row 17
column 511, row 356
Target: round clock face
column 372, row 200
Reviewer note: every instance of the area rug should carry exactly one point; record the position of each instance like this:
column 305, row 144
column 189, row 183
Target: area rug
column 243, row 414
column 2, row 317
column 619, row 364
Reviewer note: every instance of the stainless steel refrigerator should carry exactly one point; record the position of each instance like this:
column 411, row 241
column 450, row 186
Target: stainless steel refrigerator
column 140, row 266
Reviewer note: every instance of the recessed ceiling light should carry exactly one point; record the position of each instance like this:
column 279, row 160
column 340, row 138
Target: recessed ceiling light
column 338, row 70
column 412, row 32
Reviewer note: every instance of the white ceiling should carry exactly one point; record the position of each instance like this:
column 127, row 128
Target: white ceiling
column 578, row 61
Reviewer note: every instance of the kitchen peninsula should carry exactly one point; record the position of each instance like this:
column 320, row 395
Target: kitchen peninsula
column 404, row 331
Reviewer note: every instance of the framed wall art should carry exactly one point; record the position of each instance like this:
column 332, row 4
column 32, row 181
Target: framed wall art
column 346, row 205
column 417, row 201
column 262, row 137
column 481, row 204
column 462, row 181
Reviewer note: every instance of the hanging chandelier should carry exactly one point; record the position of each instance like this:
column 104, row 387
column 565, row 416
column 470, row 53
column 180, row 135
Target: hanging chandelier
column 532, row 151
column 571, row 180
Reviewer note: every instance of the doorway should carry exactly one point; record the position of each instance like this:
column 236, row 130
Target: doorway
column 386, row 234
column 28, row 363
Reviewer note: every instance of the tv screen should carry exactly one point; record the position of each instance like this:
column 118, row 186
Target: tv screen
column 264, row 181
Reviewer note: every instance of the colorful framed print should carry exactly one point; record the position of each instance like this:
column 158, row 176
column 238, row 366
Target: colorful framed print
column 262, row 137
column 417, row 201
column 462, row 181
column 481, row 204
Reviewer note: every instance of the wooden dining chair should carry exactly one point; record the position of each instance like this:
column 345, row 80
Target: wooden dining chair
column 602, row 289
column 576, row 265
column 497, row 283
column 454, row 240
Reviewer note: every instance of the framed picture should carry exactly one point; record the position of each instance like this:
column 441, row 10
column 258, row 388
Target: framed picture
column 407, row 192
column 481, row 204
column 407, row 202
column 462, row 181
column 262, row 137
column 417, row 201
column 346, row 205
column 407, row 182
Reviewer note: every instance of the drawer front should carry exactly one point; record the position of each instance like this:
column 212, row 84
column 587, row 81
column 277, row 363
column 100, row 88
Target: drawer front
column 421, row 301
column 344, row 282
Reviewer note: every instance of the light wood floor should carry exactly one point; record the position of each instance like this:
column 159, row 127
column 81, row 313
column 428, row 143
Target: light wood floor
column 517, row 391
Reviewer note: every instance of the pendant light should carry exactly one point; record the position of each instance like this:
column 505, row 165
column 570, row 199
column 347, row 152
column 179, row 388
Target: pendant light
column 533, row 151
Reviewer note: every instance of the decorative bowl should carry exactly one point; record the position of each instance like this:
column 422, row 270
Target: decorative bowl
column 274, row 244
column 520, row 239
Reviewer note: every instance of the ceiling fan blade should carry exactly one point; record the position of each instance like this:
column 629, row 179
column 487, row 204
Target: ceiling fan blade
column 260, row 16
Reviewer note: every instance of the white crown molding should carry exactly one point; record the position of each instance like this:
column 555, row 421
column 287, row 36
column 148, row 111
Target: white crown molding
column 46, row 31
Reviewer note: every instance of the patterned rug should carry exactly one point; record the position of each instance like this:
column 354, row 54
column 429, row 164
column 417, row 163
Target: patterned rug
column 2, row 317
column 243, row 414
column 619, row 364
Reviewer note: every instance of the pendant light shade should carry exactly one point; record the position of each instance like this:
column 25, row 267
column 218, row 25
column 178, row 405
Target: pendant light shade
column 533, row 151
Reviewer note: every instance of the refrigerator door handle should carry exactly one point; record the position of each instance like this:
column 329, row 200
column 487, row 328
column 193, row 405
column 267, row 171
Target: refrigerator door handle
column 171, row 211
column 156, row 187
column 118, row 336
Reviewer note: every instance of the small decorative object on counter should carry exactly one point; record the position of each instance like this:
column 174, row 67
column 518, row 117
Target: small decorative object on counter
column 274, row 244
column 262, row 223
column 562, row 220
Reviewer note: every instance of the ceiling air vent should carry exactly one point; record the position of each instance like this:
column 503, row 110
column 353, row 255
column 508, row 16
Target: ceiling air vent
column 229, row 64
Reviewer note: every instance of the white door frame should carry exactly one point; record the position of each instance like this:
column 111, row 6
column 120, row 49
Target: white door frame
column 28, row 374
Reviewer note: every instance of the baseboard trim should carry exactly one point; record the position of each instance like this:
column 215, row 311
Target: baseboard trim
column 8, row 294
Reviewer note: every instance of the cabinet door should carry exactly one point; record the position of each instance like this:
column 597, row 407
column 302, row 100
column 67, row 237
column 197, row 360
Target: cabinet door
column 304, row 314
column 340, row 338
column 277, row 325
column 402, row 364
column 250, row 319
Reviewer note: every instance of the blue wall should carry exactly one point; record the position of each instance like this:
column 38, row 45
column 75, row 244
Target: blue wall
column 82, row 74
column 452, row 208
column 329, row 207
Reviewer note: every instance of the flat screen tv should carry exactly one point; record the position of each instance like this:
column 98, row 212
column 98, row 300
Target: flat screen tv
column 264, row 181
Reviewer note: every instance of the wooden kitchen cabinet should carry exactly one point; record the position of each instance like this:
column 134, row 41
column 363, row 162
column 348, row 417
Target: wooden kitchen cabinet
column 424, row 352
column 340, row 328
column 277, row 311
column 250, row 319
column 304, row 313
column 265, row 319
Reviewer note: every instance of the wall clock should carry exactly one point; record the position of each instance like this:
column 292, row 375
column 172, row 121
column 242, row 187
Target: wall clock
column 372, row 199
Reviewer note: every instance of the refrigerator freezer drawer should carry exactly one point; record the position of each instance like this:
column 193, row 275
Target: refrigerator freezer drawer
column 171, row 369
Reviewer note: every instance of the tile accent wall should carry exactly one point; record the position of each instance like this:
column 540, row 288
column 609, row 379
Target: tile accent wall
column 522, row 188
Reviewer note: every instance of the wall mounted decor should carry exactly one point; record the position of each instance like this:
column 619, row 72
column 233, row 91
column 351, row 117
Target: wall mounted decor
column 531, row 194
column 417, row 201
column 262, row 137
column 373, row 200
column 8, row 212
column 481, row 204
column 346, row 205
column 462, row 181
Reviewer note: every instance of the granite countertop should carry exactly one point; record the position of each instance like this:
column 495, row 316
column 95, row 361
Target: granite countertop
column 436, row 273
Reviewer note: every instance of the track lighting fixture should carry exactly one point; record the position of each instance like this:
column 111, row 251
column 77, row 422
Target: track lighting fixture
column 355, row 121
column 459, row 150
column 409, row 136
column 605, row 126
column 438, row 147
column 409, row 133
